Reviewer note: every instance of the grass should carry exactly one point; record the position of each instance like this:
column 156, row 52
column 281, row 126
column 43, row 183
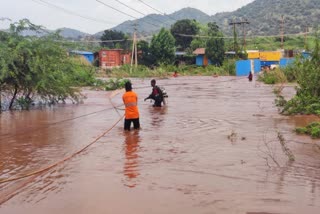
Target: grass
column 165, row 71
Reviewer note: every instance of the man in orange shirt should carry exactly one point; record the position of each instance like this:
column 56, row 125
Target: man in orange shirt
column 130, row 100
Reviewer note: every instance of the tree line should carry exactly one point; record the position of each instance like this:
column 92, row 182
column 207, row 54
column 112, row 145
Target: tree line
column 181, row 36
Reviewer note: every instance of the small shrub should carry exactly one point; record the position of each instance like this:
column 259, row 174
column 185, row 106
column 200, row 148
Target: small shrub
column 113, row 84
column 290, row 72
column 273, row 77
column 280, row 101
column 313, row 129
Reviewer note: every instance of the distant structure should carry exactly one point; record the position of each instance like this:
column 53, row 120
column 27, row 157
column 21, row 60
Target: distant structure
column 113, row 58
column 89, row 56
column 201, row 58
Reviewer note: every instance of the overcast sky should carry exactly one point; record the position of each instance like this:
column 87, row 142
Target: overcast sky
column 64, row 15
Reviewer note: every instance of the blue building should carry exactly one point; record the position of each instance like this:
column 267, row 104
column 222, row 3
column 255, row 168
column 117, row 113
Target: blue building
column 201, row 58
column 244, row 67
column 89, row 56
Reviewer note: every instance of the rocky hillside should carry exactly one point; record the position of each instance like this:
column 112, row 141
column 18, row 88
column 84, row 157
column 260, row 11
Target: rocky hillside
column 265, row 16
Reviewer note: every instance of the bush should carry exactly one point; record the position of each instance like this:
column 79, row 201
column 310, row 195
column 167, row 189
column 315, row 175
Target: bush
column 307, row 98
column 273, row 77
column 313, row 129
column 113, row 84
column 229, row 66
column 290, row 72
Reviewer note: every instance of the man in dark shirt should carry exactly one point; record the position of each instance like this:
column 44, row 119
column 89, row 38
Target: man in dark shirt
column 156, row 94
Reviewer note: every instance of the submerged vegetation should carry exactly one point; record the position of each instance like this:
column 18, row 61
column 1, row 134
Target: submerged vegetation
column 306, row 74
column 38, row 69
column 313, row 129
column 307, row 98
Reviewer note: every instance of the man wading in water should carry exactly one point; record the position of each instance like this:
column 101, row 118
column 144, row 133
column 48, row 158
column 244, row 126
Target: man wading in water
column 130, row 100
column 156, row 94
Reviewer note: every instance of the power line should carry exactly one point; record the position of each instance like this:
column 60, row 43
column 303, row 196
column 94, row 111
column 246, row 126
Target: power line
column 124, row 12
column 162, row 13
column 151, row 7
column 200, row 36
column 50, row 5
column 252, row 37
column 105, row 41
column 94, row 41
column 138, row 11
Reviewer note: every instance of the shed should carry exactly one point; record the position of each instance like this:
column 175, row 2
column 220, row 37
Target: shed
column 89, row 56
column 110, row 58
column 201, row 58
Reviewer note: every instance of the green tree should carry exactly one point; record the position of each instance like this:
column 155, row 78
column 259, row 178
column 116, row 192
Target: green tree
column 187, row 27
column 145, row 57
column 38, row 68
column 122, row 38
column 162, row 47
column 200, row 42
column 215, row 44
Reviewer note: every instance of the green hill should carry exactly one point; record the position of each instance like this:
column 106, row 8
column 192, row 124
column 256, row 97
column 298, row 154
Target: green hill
column 264, row 17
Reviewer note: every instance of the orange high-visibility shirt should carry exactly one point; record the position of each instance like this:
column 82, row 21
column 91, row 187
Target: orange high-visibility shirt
column 130, row 100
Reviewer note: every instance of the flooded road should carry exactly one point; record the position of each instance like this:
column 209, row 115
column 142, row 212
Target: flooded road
column 212, row 149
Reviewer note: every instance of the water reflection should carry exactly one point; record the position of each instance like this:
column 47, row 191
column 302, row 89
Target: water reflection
column 131, row 150
column 157, row 115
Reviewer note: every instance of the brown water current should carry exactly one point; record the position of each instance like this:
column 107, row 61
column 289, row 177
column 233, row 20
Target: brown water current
column 212, row 149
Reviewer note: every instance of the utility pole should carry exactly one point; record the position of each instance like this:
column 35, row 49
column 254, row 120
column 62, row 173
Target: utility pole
column 234, row 23
column 134, row 48
column 244, row 33
column 282, row 31
column 234, row 34
column 305, row 37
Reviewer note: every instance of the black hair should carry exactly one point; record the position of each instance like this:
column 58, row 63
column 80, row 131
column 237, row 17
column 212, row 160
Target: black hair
column 153, row 81
column 128, row 86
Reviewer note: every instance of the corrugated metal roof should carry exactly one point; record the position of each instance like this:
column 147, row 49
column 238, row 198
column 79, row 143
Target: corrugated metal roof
column 199, row 51
column 180, row 53
column 116, row 49
column 81, row 52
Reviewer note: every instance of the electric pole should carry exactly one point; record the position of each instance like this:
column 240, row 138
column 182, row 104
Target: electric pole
column 305, row 37
column 282, row 31
column 234, row 23
column 244, row 33
column 134, row 47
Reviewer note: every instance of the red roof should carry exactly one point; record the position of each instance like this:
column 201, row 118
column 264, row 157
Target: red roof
column 199, row 51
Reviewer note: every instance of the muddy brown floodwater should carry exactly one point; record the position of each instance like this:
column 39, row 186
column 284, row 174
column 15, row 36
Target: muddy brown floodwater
column 212, row 149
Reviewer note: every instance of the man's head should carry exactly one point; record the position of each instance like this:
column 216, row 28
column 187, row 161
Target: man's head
column 128, row 86
column 153, row 82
